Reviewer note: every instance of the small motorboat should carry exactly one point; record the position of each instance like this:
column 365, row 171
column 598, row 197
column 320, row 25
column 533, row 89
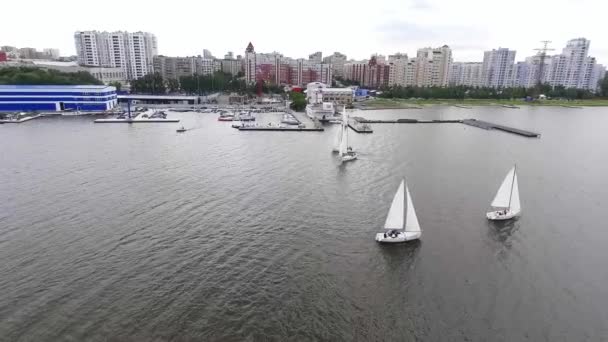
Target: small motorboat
column 290, row 120
column 181, row 130
column 226, row 118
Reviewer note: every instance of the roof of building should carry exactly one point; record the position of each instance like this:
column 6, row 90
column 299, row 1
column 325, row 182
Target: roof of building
column 52, row 87
column 156, row 97
column 346, row 90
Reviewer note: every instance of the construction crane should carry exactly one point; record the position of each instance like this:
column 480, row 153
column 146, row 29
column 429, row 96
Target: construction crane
column 542, row 53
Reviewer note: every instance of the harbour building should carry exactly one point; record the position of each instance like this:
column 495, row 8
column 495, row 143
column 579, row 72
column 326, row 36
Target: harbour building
column 25, row 98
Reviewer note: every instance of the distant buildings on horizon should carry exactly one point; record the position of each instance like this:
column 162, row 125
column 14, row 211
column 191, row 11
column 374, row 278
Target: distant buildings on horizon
column 12, row 52
column 124, row 56
column 573, row 68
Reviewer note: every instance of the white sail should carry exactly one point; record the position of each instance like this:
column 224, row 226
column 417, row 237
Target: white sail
column 501, row 200
column 344, row 141
column 411, row 220
column 338, row 140
column 515, row 204
column 394, row 219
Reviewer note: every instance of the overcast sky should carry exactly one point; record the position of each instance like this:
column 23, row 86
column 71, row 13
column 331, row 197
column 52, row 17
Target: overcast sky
column 298, row 28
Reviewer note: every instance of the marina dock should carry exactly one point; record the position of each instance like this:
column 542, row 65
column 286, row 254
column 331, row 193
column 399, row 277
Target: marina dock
column 490, row 126
column 470, row 122
column 142, row 117
column 134, row 120
column 281, row 129
column 360, row 128
column 404, row 121
column 20, row 120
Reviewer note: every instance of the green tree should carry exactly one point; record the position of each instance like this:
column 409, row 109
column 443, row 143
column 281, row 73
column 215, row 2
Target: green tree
column 604, row 86
column 39, row 76
column 298, row 101
column 149, row 84
column 116, row 84
column 173, row 85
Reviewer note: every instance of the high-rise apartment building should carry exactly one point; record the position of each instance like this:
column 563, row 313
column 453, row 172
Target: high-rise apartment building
column 432, row 68
column 575, row 53
column 176, row 67
column 231, row 66
column 51, row 53
column 398, row 64
column 466, row 74
column 573, row 68
column 316, row 57
column 207, row 54
column 133, row 52
column 498, row 66
column 337, row 61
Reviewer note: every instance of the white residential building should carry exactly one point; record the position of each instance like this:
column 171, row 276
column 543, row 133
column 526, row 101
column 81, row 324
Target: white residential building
column 207, row 54
column 498, row 67
column 231, row 66
column 432, row 67
column 466, row 74
column 398, row 64
column 573, row 68
column 318, row 92
column 51, row 53
column 133, row 52
column 410, row 72
column 316, row 57
column 599, row 72
column 250, row 64
column 576, row 52
column 337, row 61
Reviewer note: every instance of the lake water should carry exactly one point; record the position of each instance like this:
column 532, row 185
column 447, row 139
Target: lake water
column 135, row 232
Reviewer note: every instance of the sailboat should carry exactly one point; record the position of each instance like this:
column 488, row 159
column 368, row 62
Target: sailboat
column 507, row 198
column 346, row 152
column 396, row 230
column 338, row 139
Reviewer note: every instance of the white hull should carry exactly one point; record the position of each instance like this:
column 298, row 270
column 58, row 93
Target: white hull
column 499, row 215
column 349, row 157
column 401, row 237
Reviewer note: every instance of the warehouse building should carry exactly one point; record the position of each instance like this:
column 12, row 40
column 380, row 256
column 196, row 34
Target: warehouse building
column 25, row 98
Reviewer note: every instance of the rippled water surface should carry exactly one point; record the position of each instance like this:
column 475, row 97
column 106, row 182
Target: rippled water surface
column 119, row 232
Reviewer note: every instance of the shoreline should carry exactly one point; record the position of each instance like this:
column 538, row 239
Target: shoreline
column 383, row 103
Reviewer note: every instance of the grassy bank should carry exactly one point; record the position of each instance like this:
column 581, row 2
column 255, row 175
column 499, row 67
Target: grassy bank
column 406, row 103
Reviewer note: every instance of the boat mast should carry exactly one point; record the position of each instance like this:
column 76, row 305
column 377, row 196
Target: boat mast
column 512, row 184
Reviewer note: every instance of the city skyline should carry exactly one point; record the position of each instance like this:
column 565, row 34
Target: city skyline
column 469, row 28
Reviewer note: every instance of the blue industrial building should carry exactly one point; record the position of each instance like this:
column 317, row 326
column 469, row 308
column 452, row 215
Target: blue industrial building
column 25, row 98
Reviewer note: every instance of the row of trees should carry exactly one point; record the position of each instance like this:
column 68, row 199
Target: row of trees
column 604, row 86
column 462, row 92
column 39, row 76
column 200, row 85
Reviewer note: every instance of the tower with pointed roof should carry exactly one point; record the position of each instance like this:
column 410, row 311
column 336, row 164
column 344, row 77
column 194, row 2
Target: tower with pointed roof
column 250, row 64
